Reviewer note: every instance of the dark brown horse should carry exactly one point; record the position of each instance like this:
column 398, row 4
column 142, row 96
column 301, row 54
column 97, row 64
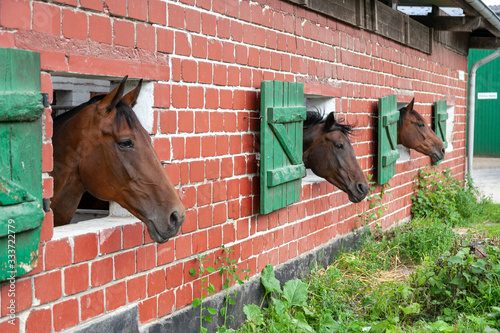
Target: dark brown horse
column 414, row 133
column 100, row 147
column 329, row 154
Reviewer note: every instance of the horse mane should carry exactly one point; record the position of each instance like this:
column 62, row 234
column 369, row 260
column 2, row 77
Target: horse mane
column 316, row 117
column 123, row 111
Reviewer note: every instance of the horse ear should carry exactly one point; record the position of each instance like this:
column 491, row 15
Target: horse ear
column 131, row 98
column 329, row 122
column 109, row 102
column 409, row 107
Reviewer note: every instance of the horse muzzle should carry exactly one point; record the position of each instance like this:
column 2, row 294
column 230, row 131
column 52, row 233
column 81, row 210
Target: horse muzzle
column 437, row 155
column 160, row 232
column 358, row 193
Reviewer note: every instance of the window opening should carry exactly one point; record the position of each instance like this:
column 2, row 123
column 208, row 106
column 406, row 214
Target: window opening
column 324, row 105
column 69, row 92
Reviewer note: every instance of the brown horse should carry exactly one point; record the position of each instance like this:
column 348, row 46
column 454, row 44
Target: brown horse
column 100, row 147
column 414, row 133
column 329, row 154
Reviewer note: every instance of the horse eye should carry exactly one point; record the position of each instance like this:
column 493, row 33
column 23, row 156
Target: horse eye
column 126, row 144
column 339, row 146
column 421, row 125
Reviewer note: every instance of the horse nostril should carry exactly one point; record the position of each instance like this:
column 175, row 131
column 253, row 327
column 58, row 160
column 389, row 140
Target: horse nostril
column 443, row 150
column 362, row 188
column 174, row 219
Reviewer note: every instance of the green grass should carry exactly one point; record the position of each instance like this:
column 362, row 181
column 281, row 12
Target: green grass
column 420, row 277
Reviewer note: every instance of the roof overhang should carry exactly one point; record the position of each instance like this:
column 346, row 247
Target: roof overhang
column 467, row 16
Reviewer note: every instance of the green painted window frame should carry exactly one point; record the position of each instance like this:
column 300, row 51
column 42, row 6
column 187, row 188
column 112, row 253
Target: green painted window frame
column 281, row 167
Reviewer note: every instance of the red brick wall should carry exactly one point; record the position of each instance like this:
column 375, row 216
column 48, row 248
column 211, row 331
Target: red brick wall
column 207, row 59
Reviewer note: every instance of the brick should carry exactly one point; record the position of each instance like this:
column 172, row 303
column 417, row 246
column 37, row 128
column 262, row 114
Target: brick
column 156, row 282
column 182, row 246
column 145, row 38
column 110, row 240
column 166, row 303
column 233, row 76
column 182, row 45
column 39, row 321
column 138, row 9
column 146, row 258
column 228, row 233
column 212, row 169
column 74, row 24
column 205, row 217
column 192, row 20
column 47, row 160
column 208, row 146
column 165, row 253
column 92, row 4
column 116, row 296
column 76, row 279
column 193, row 145
column 7, row 38
column 214, row 50
column 226, row 99
column 148, row 310
column 175, row 16
column 179, row 96
column 16, row 296
column 136, row 288
column 101, row 272
column 228, row 52
column 65, row 314
column 92, row 305
column 200, row 241
column 165, row 40
column 162, row 148
column 183, row 296
column 124, row 33
column 132, row 235
column 100, row 29
column 208, row 24
column 197, row 171
column 162, row 99
column 196, row 98
column 117, row 7
column 212, row 99
column 53, row 61
column 215, row 237
column 157, row 12
column 10, row 325
column 223, row 28
column 57, row 254
column 46, row 18
column 16, row 14
column 124, row 264
column 189, row 70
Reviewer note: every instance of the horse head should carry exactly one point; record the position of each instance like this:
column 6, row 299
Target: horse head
column 415, row 133
column 329, row 154
column 104, row 150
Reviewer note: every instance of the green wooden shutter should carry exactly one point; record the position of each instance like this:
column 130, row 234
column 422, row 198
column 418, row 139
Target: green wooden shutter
column 21, row 213
column 281, row 168
column 440, row 117
column 388, row 151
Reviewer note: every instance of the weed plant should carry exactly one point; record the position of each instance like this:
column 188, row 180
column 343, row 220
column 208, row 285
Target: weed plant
column 438, row 195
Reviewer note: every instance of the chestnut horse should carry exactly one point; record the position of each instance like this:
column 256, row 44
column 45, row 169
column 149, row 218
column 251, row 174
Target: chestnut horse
column 328, row 152
column 414, row 133
column 100, row 147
